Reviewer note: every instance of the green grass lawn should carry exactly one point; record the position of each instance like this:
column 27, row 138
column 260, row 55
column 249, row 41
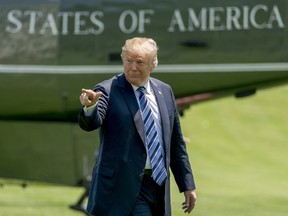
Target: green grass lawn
column 238, row 149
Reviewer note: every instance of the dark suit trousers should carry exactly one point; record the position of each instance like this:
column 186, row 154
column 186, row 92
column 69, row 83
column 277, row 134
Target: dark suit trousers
column 150, row 201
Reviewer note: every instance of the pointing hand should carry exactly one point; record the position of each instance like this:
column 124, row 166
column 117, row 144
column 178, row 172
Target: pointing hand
column 89, row 97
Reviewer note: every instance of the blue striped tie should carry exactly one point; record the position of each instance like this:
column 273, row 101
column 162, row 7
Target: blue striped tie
column 154, row 147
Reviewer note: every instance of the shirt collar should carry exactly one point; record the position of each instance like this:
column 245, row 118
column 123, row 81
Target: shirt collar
column 147, row 87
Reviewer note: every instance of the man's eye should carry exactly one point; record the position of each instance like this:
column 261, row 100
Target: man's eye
column 141, row 63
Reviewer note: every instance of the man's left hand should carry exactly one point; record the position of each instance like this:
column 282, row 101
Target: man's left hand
column 190, row 201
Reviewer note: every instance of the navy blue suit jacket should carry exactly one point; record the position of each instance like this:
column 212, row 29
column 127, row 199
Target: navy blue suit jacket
column 118, row 172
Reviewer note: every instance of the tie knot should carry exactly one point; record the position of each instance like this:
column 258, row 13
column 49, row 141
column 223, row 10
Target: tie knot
column 141, row 89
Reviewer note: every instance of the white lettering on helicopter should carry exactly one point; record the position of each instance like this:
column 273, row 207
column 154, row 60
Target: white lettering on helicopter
column 92, row 23
column 229, row 18
column 49, row 24
column 138, row 21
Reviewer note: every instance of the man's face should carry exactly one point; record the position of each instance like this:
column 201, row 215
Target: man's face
column 137, row 68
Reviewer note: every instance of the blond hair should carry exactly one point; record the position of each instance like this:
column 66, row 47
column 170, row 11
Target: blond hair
column 142, row 46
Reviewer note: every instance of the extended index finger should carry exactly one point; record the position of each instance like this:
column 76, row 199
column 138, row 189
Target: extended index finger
column 87, row 91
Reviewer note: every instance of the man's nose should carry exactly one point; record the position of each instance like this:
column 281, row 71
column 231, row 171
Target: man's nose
column 134, row 66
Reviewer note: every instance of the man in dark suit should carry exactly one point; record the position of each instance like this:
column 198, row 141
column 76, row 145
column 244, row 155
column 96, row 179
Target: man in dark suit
column 131, row 175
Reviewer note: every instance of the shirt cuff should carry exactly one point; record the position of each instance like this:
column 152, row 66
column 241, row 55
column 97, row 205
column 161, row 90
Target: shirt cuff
column 89, row 110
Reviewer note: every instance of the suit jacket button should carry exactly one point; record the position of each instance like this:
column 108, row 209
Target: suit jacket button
column 144, row 155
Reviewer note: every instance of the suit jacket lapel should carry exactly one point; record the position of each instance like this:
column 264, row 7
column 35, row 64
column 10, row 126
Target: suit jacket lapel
column 162, row 107
column 129, row 96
